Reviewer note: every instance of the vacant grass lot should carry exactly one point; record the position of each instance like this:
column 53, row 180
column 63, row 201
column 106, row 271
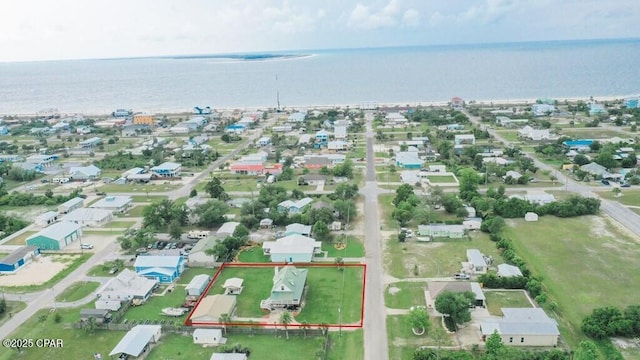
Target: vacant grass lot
column 402, row 341
column 13, row 307
column 354, row 249
column 77, row 343
column 137, row 188
column 254, row 255
column 409, row 294
column 263, row 347
column 136, row 211
column 78, row 290
column 148, row 198
column 585, row 262
column 349, row 345
column 152, row 308
column 505, row 299
column 437, row 179
column 321, row 299
column 121, row 224
column 627, row 197
column 20, row 239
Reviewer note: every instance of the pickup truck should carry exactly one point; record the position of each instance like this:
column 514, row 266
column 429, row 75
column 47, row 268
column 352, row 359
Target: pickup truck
column 461, row 276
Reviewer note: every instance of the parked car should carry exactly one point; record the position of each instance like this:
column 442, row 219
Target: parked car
column 605, row 182
column 86, row 246
column 461, row 276
column 625, row 185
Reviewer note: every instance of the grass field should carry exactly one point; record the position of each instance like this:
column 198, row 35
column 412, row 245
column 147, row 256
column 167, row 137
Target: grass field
column 263, row 347
column 349, row 345
column 505, row 299
column 148, row 198
column 135, row 211
column 437, row 179
column 20, row 239
column 409, row 294
column 78, row 290
column 354, row 249
column 253, row 255
column 102, row 270
column 627, row 197
column 137, row 188
column 77, row 343
column 586, row 262
column 402, row 341
column 590, row 133
column 121, row 224
column 322, row 296
column 509, row 135
column 12, row 308
column 152, row 308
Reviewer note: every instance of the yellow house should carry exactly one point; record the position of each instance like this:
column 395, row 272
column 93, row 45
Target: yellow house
column 567, row 166
column 143, row 119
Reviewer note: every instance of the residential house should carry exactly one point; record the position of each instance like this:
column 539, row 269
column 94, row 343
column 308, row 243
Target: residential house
column 144, row 119
column 46, row 219
column 18, row 258
column 530, row 133
column 441, row 230
column 4, row 130
column 457, row 103
column 512, row 174
column 197, row 285
column 595, row 169
column 476, row 262
column 247, row 167
column 304, row 139
column 264, row 141
column 117, row 204
column 83, row 173
column 523, row 327
column 227, row 229
column 536, row 198
column 296, row 117
column 288, row 288
column 437, row 287
column 596, row 109
column 395, row 118
column 90, row 143
column 70, row 205
column 127, row 286
column 471, row 211
column 631, row 102
column 317, row 162
column 292, row 248
column 495, row 160
column 167, row 170
column 335, row 226
column 321, row 139
column 137, row 341
column 297, row 228
column 408, row 160
column 56, row 236
column 122, row 113
column 42, row 160
column 266, row 223
column 294, row 206
column 208, row 337
column 198, row 254
column 235, row 129
column 165, row 269
column 338, row 145
column 472, row 223
column 543, row 109
column 83, row 130
column 312, row 179
column 506, row 270
column 282, row 129
column 464, row 139
column 340, row 129
column 101, row 316
column 89, row 217
column 211, row 307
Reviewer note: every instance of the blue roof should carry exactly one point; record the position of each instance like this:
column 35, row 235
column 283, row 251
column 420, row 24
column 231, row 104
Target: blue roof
column 584, row 142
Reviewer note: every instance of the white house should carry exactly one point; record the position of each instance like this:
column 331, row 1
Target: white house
column 294, row 206
column 90, row 172
column 395, row 118
column 476, row 261
column 340, row 129
column 530, row 133
column 208, row 337
column 472, row 223
column 297, row 228
column 89, row 217
column 117, row 204
column 70, row 205
column 227, row 229
column 128, row 286
column 264, row 141
column 292, row 248
column 198, row 255
column 197, row 285
column 523, row 327
column 464, row 139
column 338, row 145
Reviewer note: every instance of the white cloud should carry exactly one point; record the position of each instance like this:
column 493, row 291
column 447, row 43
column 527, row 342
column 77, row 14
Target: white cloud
column 411, row 18
column 362, row 17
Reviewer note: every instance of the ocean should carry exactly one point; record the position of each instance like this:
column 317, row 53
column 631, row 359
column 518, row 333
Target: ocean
column 562, row 69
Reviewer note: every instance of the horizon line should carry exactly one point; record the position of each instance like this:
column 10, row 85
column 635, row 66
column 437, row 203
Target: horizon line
column 308, row 52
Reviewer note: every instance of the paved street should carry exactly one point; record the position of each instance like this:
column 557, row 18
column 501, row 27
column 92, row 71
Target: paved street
column 375, row 329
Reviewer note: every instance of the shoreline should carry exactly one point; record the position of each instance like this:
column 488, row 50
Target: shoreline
column 487, row 102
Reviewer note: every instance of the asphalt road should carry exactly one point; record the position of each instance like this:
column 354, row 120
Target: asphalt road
column 375, row 330
column 614, row 209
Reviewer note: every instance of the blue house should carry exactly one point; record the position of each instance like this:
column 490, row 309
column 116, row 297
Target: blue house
column 576, row 144
column 4, row 130
column 322, row 138
column 631, row 103
column 17, row 259
column 167, row 169
column 165, row 269
column 294, row 206
column 408, row 160
column 596, row 109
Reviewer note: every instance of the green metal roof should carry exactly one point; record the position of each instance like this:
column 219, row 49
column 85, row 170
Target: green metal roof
column 288, row 283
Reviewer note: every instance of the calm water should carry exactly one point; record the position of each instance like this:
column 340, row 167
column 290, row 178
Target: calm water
column 384, row 75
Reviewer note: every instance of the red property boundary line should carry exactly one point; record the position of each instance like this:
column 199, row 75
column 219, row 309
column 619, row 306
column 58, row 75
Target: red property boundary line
column 188, row 321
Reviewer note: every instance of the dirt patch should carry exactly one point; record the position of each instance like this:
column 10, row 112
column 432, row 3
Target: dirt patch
column 38, row 271
column 599, row 227
column 394, row 290
column 623, row 343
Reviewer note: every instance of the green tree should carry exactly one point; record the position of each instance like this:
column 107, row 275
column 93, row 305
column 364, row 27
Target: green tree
column 48, row 193
column 403, row 193
column 605, row 158
column 494, row 345
column 419, row 320
column 193, row 193
column 285, row 320
column 469, row 181
column 175, row 230
column 211, row 213
column 214, row 188
column 321, row 231
column 90, row 326
column 586, row 351
column 225, row 319
column 455, row 305
column 403, row 213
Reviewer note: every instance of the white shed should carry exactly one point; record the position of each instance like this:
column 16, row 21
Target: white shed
column 530, row 216
column 208, row 337
column 197, row 285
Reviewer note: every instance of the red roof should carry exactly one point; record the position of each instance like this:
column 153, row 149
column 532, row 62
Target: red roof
column 247, row 167
column 456, row 99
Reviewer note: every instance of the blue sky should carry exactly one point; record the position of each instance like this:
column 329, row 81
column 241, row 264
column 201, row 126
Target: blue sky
column 76, row 29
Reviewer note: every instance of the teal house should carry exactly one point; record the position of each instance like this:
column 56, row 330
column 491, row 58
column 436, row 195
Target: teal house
column 288, row 288
column 165, row 269
column 56, row 236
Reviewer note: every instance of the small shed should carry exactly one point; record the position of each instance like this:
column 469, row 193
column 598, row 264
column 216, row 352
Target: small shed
column 137, row 340
column 101, row 316
column 336, row 226
column 208, row 337
column 233, row 286
column 471, row 211
column 197, row 285
column 530, row 216
column 46, row 219
column 266, row 223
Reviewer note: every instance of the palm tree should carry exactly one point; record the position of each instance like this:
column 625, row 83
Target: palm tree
column 286, row 319
column 225, row 319
column 616, row 191
column 304, row 326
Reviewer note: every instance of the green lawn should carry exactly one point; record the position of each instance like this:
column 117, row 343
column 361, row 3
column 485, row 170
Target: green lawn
column 402, row 341
column 349, row 345
column 148, row 198
column 152, row 308
column 438, row 179
column 321, row 298
column 75, row 261
column 505, row 299
column 263, row 347
column 354, row 249
column 77, row 343
column 121, row 224
column 409, row 294
column 590, row 133
column 585, row 263
column 190, row 272
column 102, row 270
column 253, row 255
column 20, row 239
column 627, row 196
column 509, row 135
column 13, row 307
column 78, row 290
column 135, row 211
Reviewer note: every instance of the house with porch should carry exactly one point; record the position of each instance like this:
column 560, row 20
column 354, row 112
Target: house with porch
column 297, row 228
column 165, row 269
column 83, row 173
column 167, row 170
column 292, row 248
column 288, row 288
column 294, row 207
column 127, row 286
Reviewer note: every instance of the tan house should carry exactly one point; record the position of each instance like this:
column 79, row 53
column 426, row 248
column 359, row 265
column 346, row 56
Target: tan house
column 523, row 327
column 212, row 307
